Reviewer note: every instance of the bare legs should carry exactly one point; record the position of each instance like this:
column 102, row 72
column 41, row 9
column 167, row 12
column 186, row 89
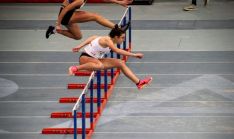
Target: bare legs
column 111, row 63
column 88, row 63
column 80, row 17
column 84, row 16
column 72, row 32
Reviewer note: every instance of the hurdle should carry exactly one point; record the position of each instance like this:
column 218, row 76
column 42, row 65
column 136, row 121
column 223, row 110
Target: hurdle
column 96, row 102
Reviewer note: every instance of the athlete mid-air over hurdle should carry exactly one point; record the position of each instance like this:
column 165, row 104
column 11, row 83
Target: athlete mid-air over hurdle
column 70, row 14
column 96, row 46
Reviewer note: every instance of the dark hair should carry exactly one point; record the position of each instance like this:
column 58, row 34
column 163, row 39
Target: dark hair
column 116, row 31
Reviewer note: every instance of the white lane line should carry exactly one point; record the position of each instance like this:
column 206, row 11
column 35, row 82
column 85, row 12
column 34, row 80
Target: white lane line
column 172, row 101
column 146, row 62
column 8, row 132
column 36, row 50
column 120, row 101
column 185, row 62
column 29, row 102
column 129, row 133
column 172, row 87
column 139, row 50
column 35, row 62
column 149, row 87
column 34, row 75
column 143, row 116
column 22, row 117
column 166, row 132
column 28, row 88
column 177, row 74
column 117, row 87
column 168, row 116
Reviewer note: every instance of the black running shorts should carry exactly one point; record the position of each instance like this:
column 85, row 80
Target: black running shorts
column 67, row 16
column 85, row 54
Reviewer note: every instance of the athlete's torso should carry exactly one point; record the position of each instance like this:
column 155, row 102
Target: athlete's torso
column 95, row 50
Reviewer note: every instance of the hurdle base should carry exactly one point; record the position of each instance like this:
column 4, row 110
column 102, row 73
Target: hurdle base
column 69, row 115
column 64, row 131
column 74, row 100
column 82, row 86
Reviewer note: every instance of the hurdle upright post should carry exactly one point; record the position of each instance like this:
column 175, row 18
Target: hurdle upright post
column 124, row 43
column 83, row 117
column 91, row 105
column 98, row 74
column 75, row 123
column 130, row 28
column 105, row 82
column 118, row 55
column 112, row 69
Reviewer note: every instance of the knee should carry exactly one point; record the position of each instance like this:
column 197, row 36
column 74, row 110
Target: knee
column 98, row 66
column 120, row 63
column 95, row 16
column 77, row 37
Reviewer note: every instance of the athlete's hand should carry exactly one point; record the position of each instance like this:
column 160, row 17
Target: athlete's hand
column 76, row 49
column 138, row 55
column 123, row 3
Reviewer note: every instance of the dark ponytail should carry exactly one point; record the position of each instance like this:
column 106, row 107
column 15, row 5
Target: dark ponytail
column 116, row 26
column 116, row 31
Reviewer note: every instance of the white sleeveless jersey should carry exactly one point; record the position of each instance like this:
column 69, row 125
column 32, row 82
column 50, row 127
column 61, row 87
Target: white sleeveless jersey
column 95, row 50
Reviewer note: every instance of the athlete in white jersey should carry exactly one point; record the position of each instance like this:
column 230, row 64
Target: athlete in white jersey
column 95, row 46
column 70, row 14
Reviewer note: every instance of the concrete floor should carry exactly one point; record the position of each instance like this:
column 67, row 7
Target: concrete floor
column 190, row 55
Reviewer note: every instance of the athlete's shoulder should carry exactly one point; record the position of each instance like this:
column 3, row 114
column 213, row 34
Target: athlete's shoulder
column 104, row 40
column 93, row 37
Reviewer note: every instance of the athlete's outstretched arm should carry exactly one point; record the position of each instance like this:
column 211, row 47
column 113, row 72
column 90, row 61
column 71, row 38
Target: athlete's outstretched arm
column 111, row 45
column 84, row 43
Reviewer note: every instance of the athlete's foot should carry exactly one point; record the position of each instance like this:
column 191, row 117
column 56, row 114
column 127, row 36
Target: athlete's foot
column 125, row 27
column 144, row 82
column 72, row 70
column 49, row 31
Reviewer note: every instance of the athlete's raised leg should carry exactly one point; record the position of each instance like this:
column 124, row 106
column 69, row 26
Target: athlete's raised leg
column 86, row 63
column 84, row 16
column 73, row 31
column 117, row 63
